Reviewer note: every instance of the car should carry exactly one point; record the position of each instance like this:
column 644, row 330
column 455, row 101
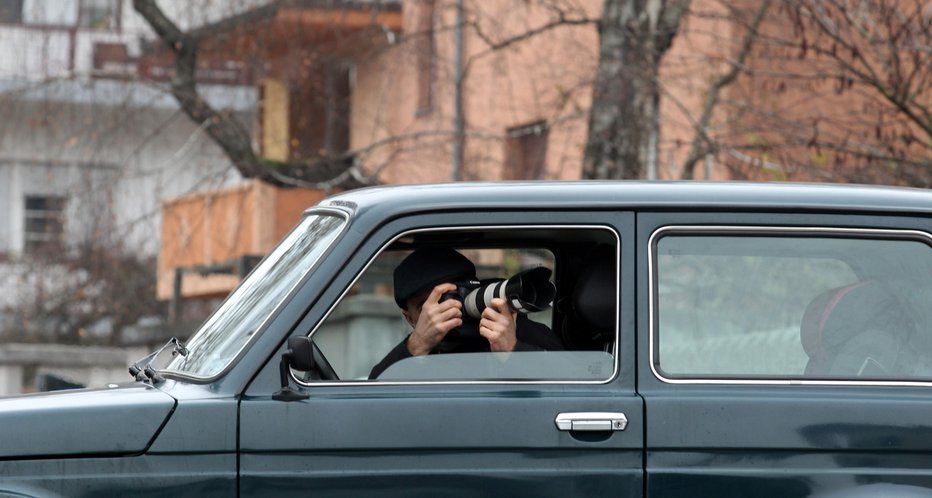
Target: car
column 718, row 340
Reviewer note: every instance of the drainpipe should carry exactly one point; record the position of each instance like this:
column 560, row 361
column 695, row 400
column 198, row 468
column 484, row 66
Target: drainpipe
column 458, row 125
column 174, row 306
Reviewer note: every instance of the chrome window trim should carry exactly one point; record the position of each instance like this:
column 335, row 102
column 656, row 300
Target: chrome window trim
column 406, row 233
column 235, row 359
column 653, row 333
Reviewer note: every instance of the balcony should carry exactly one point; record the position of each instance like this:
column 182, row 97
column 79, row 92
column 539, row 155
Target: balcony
column 211, row 239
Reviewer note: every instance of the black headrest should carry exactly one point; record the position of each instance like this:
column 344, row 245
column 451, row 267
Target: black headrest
column 594, row 301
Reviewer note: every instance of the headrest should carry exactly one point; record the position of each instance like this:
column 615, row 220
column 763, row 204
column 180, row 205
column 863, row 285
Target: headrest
column 816, row 316
column 837, row 315
column 594, row 301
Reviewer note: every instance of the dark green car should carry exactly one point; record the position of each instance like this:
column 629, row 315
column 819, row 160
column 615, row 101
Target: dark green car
column 718, row 340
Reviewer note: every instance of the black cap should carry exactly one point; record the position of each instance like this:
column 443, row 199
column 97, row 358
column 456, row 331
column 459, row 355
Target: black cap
column 425, row 268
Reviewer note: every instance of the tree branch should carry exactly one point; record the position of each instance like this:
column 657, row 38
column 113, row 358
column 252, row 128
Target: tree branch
column 225, row 130
column 702, row 144
column 495, row 46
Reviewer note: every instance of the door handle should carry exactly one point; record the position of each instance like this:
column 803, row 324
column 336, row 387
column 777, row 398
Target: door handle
column 592, row 421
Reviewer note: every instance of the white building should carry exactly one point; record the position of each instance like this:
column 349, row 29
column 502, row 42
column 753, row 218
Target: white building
column 87, row 136
column 91, row 141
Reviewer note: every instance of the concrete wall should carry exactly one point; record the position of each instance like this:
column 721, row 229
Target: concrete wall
column 20, row 364
column 354, row 338
column 359, row 333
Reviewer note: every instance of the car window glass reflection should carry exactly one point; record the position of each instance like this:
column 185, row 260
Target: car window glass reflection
column 793, row 307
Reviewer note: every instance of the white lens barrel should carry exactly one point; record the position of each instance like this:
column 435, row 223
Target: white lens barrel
column 478, row 299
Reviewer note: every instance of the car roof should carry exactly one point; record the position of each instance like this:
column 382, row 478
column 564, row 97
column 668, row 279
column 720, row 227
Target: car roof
column 645, row 195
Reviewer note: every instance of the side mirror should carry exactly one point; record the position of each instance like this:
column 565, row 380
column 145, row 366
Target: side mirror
column 302, row 353
column 299, row 356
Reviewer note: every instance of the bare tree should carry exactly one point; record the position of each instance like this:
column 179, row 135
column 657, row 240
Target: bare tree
column 325, row 169
column 87, row 296
column 821, row 90
column 624, row 117
column 868, row 60
column 878, row 56
column 703, row 143
column 222, row 127
column 634, row 35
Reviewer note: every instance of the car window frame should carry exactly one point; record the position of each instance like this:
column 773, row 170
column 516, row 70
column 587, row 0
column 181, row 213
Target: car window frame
column 762, row 230
column 616, row 348
column 275, row 310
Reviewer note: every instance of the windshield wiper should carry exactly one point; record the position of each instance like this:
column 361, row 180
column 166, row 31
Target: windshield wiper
column 143, row 373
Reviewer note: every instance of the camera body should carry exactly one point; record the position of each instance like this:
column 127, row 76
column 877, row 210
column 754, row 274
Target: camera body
column 463, row 289
column 527, row 291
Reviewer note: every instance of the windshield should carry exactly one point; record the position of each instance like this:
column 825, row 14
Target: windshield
column 229, row 329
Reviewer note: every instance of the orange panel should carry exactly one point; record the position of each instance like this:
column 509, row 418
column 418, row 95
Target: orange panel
column 219, row 226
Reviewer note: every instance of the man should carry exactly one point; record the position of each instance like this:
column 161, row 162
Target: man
column 438, row 326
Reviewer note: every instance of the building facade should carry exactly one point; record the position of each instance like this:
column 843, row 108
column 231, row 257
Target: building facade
column 91, row 142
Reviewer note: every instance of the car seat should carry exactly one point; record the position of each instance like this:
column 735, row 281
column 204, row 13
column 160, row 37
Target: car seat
column 858, row 330
column 589, row 310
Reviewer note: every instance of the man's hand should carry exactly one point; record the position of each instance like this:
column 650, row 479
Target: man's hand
column 434, row 320
column 498, row 326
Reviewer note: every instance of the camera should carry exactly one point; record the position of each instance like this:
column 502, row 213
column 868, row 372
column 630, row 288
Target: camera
column 526, row 292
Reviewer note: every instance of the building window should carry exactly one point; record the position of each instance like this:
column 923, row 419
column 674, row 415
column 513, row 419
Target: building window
column 49, row 14
column 526, row 152
column 11, row 11
column 97, row 14
column 338, row 92
column 425, row 55
column 44, row 223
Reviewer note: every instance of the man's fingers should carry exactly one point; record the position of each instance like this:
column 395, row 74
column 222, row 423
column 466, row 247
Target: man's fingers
column 445, row 310
column 498, row 326
column 450, row 325
column 496, row 310
column 447, row 314
column 438, row 291
column 449, row 304
column 501, row 306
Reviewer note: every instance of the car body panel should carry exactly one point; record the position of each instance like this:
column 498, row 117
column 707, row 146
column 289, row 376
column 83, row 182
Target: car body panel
column 463, row 436
column 119, row 421
column 202, row 423
column 212, row 475
column 449, row 445
column 738, row 437
column 228, row 436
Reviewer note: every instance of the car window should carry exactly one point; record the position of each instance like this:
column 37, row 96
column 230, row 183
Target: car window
column 362, row 335
column 791, row 307
column 231, row 327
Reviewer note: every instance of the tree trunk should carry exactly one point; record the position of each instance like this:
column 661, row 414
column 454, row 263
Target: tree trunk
column 223, row 128
column 623, row 121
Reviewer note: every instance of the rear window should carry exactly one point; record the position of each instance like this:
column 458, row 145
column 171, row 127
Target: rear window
column 791, row 305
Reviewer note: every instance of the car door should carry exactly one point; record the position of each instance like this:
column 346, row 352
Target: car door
column 785, row 355
column 450, row 437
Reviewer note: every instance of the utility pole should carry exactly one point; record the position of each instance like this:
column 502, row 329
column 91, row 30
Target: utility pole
column 459, row 136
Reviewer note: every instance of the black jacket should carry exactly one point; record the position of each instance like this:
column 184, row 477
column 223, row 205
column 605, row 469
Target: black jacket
column 531, row 336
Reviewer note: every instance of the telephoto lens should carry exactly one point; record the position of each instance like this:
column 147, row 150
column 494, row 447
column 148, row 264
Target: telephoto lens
column 526, row 292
